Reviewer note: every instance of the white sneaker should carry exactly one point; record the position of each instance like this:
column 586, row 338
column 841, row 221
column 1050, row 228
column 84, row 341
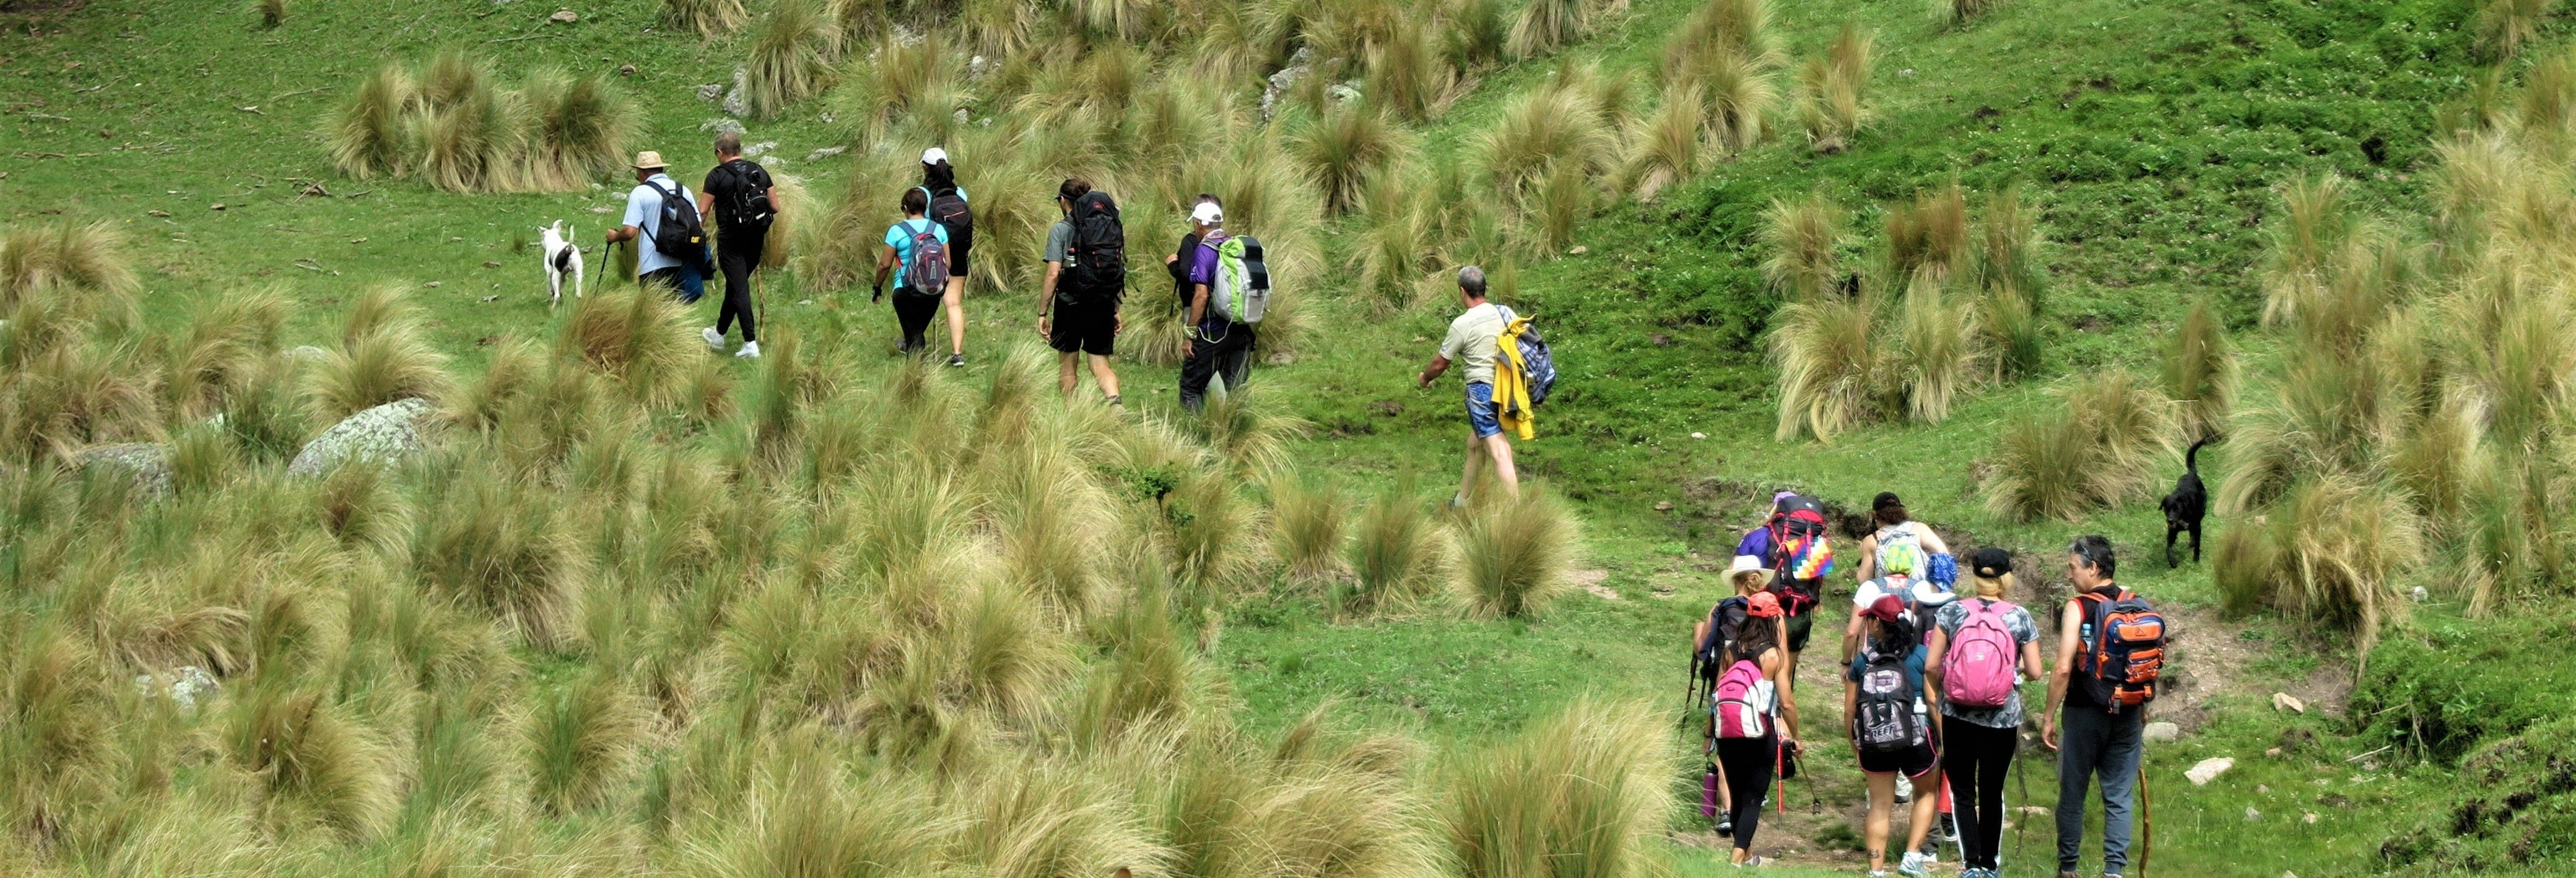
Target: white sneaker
column 1913, row 865
column 715, row 340
column 750, row 350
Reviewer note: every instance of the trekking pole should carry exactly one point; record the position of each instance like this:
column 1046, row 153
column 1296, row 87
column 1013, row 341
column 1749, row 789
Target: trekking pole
column 2146, row 821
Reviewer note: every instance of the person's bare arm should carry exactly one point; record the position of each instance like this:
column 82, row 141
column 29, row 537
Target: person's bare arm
column 1046, row 292
column 2070, row 630
column 624, row 233
column 885, row 266
column 1932, row 542
column 1867, row 567
column 776, row 206
column 1198, row 303
column 1940, row 646
column 1851, row 700
column 706, row 205
column 1779, row 668
column 1433, row 370
column 1852, row 632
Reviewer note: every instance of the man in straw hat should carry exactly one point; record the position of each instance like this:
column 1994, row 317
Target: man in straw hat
column 644, row 207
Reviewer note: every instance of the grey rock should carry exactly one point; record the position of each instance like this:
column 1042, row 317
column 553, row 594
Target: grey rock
column 977, row 67
column 825, row 153
column 383, row 434
column 721, row 125
column 2253, row 816
column 2209, row 770
column 564, row 16
column 2163, row 731
column 2419, row 595
column 1286, row 78
column 2287, row 703
column 736, row 102
column 307, row 353
column 185, row 687
column 146, row 463
column 757, row 150
column 713, row 91
column 1344, row 92
column 962, row 116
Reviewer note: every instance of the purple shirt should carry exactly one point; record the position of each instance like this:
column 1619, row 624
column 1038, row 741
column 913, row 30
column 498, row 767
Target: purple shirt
column 1203, row 271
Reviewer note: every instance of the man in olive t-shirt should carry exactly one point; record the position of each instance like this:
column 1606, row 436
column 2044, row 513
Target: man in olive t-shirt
column 1475, row 339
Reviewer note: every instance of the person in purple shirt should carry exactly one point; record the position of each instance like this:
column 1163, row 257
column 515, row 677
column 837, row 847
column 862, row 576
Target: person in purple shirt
column 1216, row 347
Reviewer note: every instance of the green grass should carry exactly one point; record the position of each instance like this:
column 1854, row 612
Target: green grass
column 2147, row 139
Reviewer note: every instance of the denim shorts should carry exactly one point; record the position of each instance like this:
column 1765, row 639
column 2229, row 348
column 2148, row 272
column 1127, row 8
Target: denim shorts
column 1480, row 410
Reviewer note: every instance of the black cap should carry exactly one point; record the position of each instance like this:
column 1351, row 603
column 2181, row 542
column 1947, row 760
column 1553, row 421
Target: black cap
column 1883, row 500
column 1992, row 562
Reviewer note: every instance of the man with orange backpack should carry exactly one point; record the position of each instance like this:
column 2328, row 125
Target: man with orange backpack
column 2109, row 658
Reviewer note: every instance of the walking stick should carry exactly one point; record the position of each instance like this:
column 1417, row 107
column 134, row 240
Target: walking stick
column 2146, row 821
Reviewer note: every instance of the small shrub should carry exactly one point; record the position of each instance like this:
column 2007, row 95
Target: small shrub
column 580, row 126
column 788, row 56
column 372, row 135
column 1347, row 147
column 1929, row 236
column 382, row 357
column 63, row 257
column 1515, row 557
column 1740, row 94
column 640, row 337
column 2338, row 549
column 1479, row 33
column 1670, row 147
column 1543, row 128
column 1406, row 75
column 1832, row 105
column 1834, row 369
column 1937, row 343
column 2131, row 424
column 1310, row 521
column 2043, row 469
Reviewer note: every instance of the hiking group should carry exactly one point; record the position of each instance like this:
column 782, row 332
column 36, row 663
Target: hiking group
column 1932, row 699
column 1220, row 282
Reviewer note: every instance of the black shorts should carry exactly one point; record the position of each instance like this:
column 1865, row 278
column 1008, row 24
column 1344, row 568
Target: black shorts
column 1911, row 763
column 959, row 241
column 1090, row 330
column 1800, row 626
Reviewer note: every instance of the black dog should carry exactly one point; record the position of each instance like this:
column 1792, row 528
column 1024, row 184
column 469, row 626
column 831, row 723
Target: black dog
column 2185, row 506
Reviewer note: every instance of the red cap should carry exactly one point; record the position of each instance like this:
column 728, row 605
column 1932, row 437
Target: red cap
column 1763, row 605
column 1888, row 608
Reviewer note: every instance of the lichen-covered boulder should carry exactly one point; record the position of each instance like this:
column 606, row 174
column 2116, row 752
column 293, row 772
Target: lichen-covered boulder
column 147, row 463
column 383, row 434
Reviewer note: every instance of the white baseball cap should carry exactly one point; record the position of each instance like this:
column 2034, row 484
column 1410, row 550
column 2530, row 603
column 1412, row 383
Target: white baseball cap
column 933, row 155
column 1207, row 214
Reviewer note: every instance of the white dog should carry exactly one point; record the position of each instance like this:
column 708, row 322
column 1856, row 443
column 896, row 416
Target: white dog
column 562, row 258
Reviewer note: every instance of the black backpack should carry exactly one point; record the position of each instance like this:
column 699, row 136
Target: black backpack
column 680, row 235
column 1883, row 719
column 1095, row 263
column 950, row 210
column 1724, row 621
column 1798, row 517
column 743, row 204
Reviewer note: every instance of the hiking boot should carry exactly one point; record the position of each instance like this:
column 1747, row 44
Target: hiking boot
column 1904, row 791
column 1913, row 865
column 1725, row 825
column 1115, row 403
column 715, row 340
column 750, row 351
column 1950, row 828
column 956, row 359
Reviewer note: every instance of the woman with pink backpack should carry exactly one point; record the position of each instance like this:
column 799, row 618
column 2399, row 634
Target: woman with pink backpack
column 1753, row 719
column 1982, row 649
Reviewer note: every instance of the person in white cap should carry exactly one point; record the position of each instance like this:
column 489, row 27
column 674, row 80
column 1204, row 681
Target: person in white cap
column 948, row 208
column 1216, row 348
column 644, row 207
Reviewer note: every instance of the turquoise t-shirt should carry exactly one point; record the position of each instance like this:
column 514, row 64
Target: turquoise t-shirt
column 899, row 237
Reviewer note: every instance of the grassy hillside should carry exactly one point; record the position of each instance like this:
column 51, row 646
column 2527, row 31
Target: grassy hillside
column 2149, row 138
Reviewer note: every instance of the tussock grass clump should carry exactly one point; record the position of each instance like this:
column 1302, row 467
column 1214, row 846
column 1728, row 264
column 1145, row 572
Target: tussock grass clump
column 1938, row 343
column 639, row 337
column 456, row 127
column 1515, row 557
column 1578, row 794
column 1310, row 521
column 1670, row 148
column 1544, row 25
column 272, row 13
column 381, row 358
column 581, row 742
column 2503, row 26
column 1833, row 368
column 1345, row 149
column 1832, row 106
column 2336, row 550
column 580, row 126
column 2102, row 450
column 1542, row 129
column 63, row 258
column 1803, row 236
column 372, row 135
column 495, row 542
column 789, row 56
column 1397, row 556
column 312, row 762
column 707, row 17
column 1958, row 13
column 1407, row 77
column 2200, row 372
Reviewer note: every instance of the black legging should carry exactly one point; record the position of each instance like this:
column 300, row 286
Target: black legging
column 915, row 312
column 1748, row 763
column 1975, row 758
column 737, row 260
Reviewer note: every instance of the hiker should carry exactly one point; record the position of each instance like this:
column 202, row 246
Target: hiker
column 1473, row 338
column 1710, row 638
column 741, row 197
column 1078, row 310
column 1753, row 718
column 948, row 209
column 919, row 247
column 1892, row 558
column 1792, row 542
column 1882, row 697
column 1983, row 647
column 1216, row 348
column 2097, row 726
column 668, row 266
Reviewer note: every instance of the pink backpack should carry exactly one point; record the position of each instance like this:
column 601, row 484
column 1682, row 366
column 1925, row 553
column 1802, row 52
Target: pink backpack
column 1743, row 702
column 1978, row 670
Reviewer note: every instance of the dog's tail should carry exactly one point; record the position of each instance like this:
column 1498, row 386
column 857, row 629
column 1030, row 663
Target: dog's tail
column 2191, row 458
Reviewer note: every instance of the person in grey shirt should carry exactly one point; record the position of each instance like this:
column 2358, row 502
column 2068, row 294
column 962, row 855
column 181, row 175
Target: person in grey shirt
column 2096, row 741
column 1088, row 324
column 1977, row 742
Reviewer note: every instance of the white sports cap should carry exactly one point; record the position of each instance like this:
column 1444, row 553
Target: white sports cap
column 1207, row 214
column 933, row 155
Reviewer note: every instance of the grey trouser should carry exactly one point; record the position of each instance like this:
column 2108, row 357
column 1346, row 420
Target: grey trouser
column 2093, row 741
